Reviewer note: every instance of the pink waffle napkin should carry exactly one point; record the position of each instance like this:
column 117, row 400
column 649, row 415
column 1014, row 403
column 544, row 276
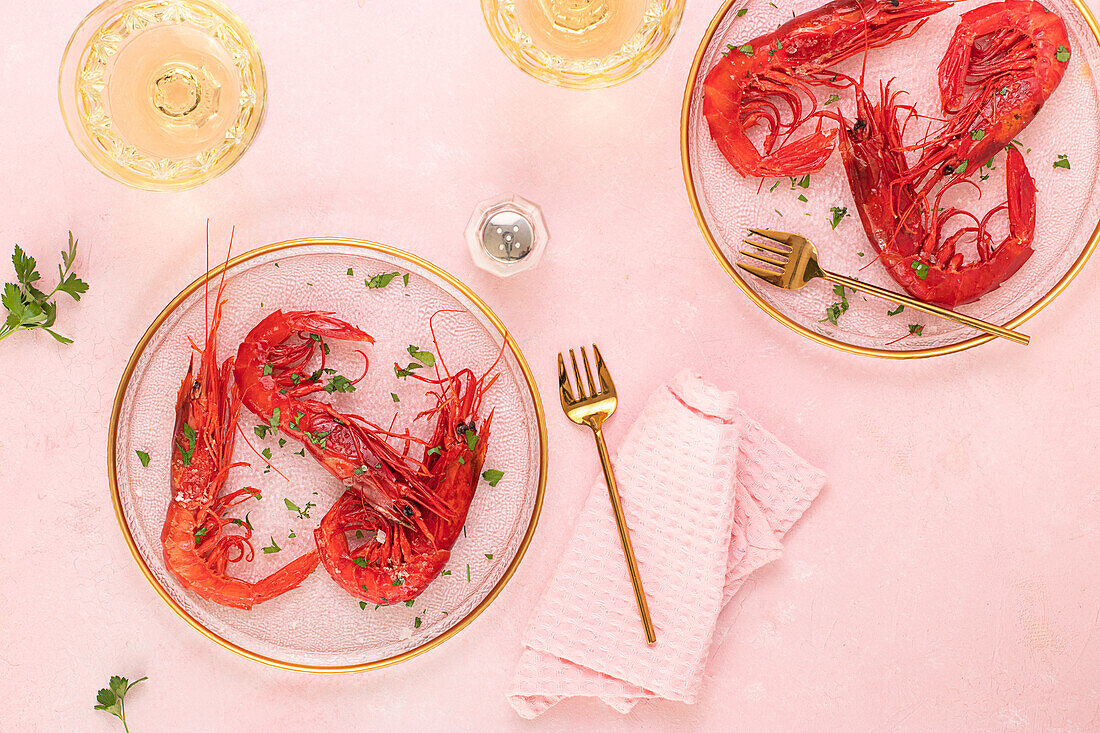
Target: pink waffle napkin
column 707, row 495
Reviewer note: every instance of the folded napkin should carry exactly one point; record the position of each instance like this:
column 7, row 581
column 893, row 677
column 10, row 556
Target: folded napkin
column 707, row 495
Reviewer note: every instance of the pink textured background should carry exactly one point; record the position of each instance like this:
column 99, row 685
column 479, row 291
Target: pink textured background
column 947, row 578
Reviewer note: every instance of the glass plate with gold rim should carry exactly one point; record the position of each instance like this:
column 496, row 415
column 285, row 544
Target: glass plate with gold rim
column 821, row 208
column 162, row 94
column 582, row 44
column 318, row 626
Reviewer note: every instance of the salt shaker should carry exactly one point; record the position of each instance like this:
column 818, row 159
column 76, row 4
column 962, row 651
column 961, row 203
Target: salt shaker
column 506, row 235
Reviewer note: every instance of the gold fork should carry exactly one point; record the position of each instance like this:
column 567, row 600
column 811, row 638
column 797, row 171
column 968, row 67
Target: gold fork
column 797, row 262
column 592, row 409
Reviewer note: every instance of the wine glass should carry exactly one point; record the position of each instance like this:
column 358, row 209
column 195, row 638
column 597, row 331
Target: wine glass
column 162, row 94
column 582, row 44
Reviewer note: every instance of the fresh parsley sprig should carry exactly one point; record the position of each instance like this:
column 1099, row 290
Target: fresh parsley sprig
column 28, row 306
column 111, row 699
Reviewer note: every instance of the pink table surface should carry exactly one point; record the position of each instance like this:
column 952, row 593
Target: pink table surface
column 947, row 578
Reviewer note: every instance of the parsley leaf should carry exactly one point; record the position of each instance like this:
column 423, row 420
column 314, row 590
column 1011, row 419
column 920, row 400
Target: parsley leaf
column 29, row 307
column 832, row 98
column 395, row 397
column 111, row 699
column 897, row 310
column 1062, row 162
column 492, row 476
column 471, row 439
column 1062, row 54
column 339, row 383
column 834, row 311
column 361, row 562
column 143, row 457
column 921, row 269
column 742, row 11
column 381, row 281
column 273, row 548
column 303, row 513
column 917, row 329
column 189, row 436
column 426, row 358
column 839, row 212
column 746, row 49
column 977, row 134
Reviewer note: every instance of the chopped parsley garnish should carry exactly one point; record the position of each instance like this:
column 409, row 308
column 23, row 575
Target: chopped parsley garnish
column 302, row 513
column 437, row 450
column 488, row 556
column 802, row 198
column 1062, row 162
column 361, row 562
column 897, row 310
column 268, row 368
column 471, row 439
column 832, row 98
column 362, row 605
column 199, row 534
column 917, row 329
column 318, row 438
column 359, row 471
column 962, row 167
column 395, row 397
column 143, row 457
column 1062, row 54
column 462, row 460
column 774, row 186
column 742, row 11
column 399, row 581
column 402, row 373
column 273, row 548
column 272, row 424
column 746, row 49
column 921, row 268
column 302, row 452
column 492, row 476
column 839, row 212
column 339, row 383
column 445, row 572
column 426, row 358
column 405, row 279
column 245, row 523
column 189, row 436
column 409, row 603
column 381, row 281
column 977, row 134
column 834, row 311
column 417, row 622
column 467, row 572
column 803, row 182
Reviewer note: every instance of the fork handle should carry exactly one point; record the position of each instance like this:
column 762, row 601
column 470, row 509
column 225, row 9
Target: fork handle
column 927, row 308
column 624, row 537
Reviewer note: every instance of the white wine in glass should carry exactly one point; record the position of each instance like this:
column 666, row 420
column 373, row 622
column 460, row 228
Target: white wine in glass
column 162, row 94
column 581, row 29
column 582, row 43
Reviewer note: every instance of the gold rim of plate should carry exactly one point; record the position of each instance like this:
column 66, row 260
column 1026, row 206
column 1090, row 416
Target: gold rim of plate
column 728, row 266
column 651, row 40
column 373, row 247
column 72, row 63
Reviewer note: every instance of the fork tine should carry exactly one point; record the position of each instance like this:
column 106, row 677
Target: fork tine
column 563, row 381
column 769, row 247
column 780, row 263
column 760, row 272
column 772, row 234
column 577, row 372
column 588, row 373
column 606, row 385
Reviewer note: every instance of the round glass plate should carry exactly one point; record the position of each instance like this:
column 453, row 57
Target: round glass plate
column 162, row 94
column 1067, row 208
column 317, row 626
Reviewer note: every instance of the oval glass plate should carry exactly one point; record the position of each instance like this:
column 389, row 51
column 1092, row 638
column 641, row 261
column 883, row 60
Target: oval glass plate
column 318, row 627
column 1067, row 210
